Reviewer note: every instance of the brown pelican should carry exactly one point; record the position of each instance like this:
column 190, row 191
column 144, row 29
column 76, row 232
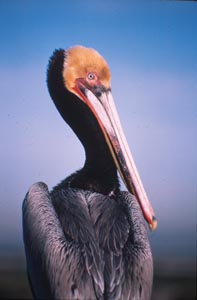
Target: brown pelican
column 86, row 239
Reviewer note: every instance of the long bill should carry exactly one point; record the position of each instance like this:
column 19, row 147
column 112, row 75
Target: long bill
column 104, row 109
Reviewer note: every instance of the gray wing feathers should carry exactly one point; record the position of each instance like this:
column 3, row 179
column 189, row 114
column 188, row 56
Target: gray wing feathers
column 76, row 223
column 95, row 246
column 43, row 237
column 55, row 263
column 121, row 231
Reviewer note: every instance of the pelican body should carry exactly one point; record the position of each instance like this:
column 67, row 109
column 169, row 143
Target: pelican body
column 86, row 239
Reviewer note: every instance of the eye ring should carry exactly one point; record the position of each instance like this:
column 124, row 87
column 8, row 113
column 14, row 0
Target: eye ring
column 91, row 76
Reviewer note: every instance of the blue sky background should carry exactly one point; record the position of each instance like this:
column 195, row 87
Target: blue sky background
column 151, row 48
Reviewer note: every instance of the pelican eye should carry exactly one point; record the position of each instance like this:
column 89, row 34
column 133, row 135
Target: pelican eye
column 91, row 76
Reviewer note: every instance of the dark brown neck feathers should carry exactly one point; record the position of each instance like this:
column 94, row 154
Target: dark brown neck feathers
column 99, row 172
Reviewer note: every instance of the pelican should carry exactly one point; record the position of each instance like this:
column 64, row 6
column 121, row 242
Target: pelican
column 87, row 239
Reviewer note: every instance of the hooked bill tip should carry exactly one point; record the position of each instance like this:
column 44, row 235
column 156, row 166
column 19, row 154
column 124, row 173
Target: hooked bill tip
column 154, row 223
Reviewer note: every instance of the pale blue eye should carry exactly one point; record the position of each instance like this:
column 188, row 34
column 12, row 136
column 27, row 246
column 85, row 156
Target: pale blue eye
column 91, row 76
